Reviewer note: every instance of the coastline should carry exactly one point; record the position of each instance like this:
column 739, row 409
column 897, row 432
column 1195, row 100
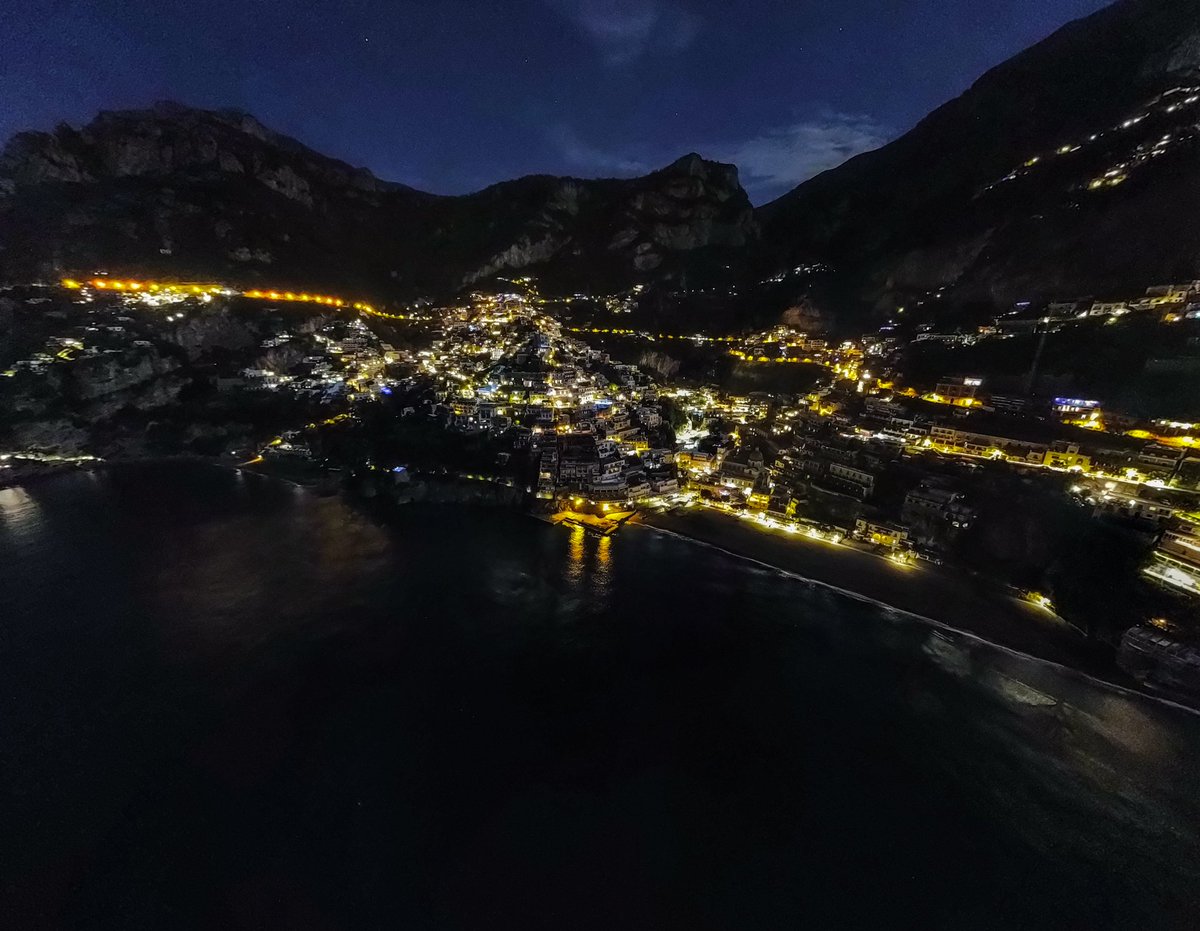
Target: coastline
column 47, row 469
column 1076, row 659
column 959, row 603
column 939, row 599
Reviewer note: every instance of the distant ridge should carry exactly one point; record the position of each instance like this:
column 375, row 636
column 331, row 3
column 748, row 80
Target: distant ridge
column 173, row 189
column 1070, row 169
column 919, row 214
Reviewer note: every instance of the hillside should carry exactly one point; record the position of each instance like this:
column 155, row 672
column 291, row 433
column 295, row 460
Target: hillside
column 1069, row 169
column 179, row 191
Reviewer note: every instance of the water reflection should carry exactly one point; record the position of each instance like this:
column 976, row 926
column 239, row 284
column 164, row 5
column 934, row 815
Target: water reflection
column 589, row 571
column 642, row 706
column 604, row 552
column 19, row 510
column 601, row 576
column 575, row 554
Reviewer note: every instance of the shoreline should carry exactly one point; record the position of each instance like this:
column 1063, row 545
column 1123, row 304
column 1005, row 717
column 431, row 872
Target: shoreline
column 1107, row 678
column 961, row 604
column 938, row 599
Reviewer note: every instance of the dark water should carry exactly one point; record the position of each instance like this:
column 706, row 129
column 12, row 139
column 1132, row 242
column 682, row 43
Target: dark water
column 227, row 703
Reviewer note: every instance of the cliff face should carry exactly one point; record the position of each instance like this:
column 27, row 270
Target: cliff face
column 1069, row 170
column 172, row 140
column 1006, row 193
column 597, row 231
column 187, row 192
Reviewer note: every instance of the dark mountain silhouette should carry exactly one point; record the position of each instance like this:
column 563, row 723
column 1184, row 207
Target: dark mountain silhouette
column 174, row 190
column 1071, row 169
column 1107, row 106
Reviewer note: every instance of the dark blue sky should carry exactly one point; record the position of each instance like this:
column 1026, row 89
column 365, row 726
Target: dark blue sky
column 452, row 96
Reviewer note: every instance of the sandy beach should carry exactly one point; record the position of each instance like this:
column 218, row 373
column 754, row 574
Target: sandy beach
column 958, row 601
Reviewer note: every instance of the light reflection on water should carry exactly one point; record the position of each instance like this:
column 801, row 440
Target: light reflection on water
column 483, row 702
column 588, row 571
column 19, row 511
column 575, row 550
column 600, row 572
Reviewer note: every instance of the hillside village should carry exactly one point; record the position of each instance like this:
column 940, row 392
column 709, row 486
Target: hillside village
column 1042, row 494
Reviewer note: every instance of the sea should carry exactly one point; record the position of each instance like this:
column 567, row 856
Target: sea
column 229, row 702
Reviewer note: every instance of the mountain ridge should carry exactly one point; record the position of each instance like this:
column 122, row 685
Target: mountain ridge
column 142, row 182
column 905, row 217
column 1063, row 171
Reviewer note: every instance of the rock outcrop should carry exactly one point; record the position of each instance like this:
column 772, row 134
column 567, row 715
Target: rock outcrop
column 98, row 376
column 186, row 192
column 1068, row 170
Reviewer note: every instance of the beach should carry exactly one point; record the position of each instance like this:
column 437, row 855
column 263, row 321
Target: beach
column 959, row 601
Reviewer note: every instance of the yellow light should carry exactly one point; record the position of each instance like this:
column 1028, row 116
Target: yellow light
column 1040, row 600
column 70, row 283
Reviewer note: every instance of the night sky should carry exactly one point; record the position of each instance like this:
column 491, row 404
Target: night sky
column 453, row 95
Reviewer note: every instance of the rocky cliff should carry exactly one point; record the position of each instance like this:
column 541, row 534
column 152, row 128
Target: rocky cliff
column 173, row 190
column 1069, row 170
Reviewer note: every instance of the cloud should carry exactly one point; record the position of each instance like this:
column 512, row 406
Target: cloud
column 591, row 159
column 625, row 30
column 769, row 164
column 775, row 161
